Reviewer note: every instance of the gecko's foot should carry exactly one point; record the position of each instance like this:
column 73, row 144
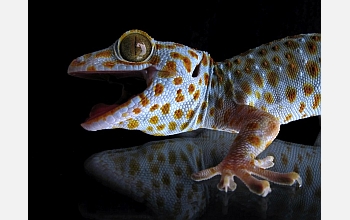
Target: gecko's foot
column 244, row 171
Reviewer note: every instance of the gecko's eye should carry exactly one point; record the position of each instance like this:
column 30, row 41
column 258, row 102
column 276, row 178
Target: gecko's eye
column 134, row 46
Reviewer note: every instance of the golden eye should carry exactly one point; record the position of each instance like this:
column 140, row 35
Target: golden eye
column 135, row 46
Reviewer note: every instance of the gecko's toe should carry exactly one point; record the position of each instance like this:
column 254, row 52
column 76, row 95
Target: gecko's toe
column 227, row 183
column 245, row 173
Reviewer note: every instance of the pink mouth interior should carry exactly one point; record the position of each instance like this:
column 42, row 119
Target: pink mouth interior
column 100, row 109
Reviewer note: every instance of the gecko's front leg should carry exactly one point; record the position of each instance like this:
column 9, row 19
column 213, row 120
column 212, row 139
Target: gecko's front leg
column 257, row 129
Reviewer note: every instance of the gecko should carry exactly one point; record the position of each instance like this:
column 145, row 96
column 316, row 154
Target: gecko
column 251, row 94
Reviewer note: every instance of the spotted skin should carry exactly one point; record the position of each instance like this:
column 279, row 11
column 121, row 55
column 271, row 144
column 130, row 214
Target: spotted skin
column 251, row 94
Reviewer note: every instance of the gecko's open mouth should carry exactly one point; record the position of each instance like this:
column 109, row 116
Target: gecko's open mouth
column 131, row 83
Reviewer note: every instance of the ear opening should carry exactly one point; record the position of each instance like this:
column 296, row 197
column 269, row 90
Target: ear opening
column 195, row 71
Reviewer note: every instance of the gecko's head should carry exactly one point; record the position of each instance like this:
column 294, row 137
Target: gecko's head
column 175, row 76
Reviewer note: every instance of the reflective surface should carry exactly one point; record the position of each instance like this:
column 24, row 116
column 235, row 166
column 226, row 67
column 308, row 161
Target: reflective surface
column 157, row 175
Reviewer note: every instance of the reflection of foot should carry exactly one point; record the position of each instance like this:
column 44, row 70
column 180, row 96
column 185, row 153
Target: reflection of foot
column 244, row 170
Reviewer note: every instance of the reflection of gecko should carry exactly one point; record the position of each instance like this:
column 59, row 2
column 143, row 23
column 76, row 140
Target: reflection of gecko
column 158, row 173
column 252, row 93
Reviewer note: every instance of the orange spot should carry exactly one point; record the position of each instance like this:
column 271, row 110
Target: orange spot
column 265, row 64
column 263, row 108
column 284, row 159
column 316, row 38
column 312, row 69
column 257, row 94
column 177, row 81
column 136, row 110
column 268, row 97
column 228, row 64
column 132, row 124
column 258, row 80
column 254, row 141
column 291, row 94
column 149, row 128
column 158, row 89
column 162, row 46
column 288, row 117
column 311, row 47
column 273, row 128
column 186, row 61
column 160, row 127
column 178, row 114
column 104, row 54
column 206, row 78
column 184, row 126
column 144, row 100
column 190, row 114
column 170, row 66
column 204, row 105
column 308, row 89
column 276, row 60
column 179, row 96
column 302, row 107
column 166, row 74
column 212, row 111
column 165, row 108
column 154, row 120
column 263, row 52
column 91, row 68
column 154, row 107
column 200, row 81
column 248, row 65
column 291, row 44
column 108, row 64
column 246, row 88
column 191, row 88
column 199, row 119
column 237, row 61
column 196, row 95
column 317, row 101
column 292, row 70
column 275, row 48
column 272, row 78
column 204, row 60
column 237, row 74
column 289, row 56
column 125, row 114
column 253, row 126
column 172, row 125
column 155, row 60
column 193, row 54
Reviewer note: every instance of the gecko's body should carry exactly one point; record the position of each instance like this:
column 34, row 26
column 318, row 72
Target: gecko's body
column 252, row 93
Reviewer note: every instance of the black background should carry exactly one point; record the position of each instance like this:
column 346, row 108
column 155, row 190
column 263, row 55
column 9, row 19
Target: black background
column 59, row 103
